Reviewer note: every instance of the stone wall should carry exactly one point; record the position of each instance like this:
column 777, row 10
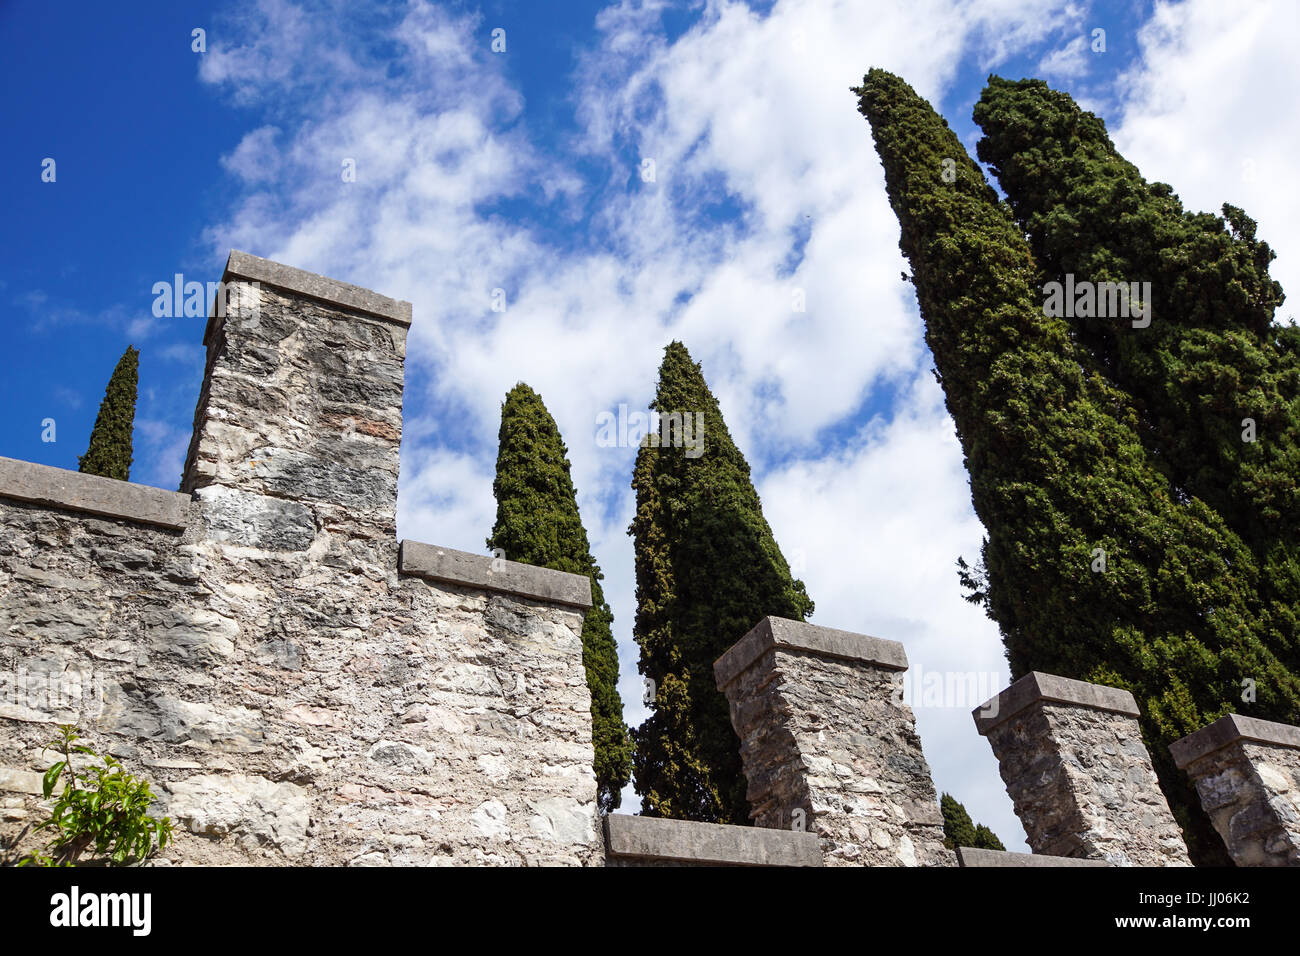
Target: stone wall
column 299, row 690
column 828, row 744
column 1247, row 775
column 1072, row 757
column 303, row 689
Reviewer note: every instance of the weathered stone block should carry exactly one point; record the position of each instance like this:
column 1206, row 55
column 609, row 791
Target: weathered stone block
column 828, row 744
column 1247, row 774
column 251, row 811
column 650, row 841
column 92, row 494
column 1072, row 757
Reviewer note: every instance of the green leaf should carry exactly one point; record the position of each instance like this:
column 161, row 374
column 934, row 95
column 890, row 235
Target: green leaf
column 51, row 778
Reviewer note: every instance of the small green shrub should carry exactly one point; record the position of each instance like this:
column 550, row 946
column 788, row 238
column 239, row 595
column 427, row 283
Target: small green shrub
column 106, row 810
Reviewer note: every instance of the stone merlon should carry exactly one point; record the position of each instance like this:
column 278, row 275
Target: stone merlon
column 1036, row 686
column 91, row 494
column 241, row 266
column 1228, row 730
column 494, row 574
column 773, row 632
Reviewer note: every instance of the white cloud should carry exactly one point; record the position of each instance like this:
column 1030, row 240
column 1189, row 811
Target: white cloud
column 1069, row 62
column 159, row 451
column 1208, row 110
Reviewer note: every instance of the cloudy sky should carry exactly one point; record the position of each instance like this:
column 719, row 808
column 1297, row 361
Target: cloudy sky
column 625, row 174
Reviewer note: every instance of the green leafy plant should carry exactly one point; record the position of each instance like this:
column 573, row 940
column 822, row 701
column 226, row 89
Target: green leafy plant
column 105, row 809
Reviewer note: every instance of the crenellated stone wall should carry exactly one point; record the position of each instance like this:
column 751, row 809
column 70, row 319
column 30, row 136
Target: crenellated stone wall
column 303, row 689
column 298, row 688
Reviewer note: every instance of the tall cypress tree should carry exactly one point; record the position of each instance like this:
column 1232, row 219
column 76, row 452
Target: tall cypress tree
column 707, row 570
column 538, row 523
column 1099, row 567
column 109, row 453
column 1211, row 355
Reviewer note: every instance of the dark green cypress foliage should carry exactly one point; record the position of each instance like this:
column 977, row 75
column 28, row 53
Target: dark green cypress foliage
column 1211, row 355
column 538, row 523
column 707, row 570
column 1060, row 475
column 986, row 839
column 109, row 453
column 958, row 828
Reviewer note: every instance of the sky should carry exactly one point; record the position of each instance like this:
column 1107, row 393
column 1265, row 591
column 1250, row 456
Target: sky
column 620, row 175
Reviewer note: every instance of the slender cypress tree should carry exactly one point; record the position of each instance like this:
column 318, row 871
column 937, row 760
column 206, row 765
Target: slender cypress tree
column 1098, row 566
column 538, row 523
column 707, row 570
column 109, row 453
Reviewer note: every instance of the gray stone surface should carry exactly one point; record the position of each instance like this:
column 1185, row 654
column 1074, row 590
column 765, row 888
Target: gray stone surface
column 829, row 746
column 251, row 812
column 969, row 856
column 650, row 841
column 799, row 636
column 1247, row 775
column 1072, row 758
column 91, row 494
column 1035, row 687
column 1229, row 729
column 250, row 268
column 291, row 695
column 483, row 571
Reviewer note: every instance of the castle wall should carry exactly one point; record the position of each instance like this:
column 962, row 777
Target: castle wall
column 301, row 689
column 298, row 688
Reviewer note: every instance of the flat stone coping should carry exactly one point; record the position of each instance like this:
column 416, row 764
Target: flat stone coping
column 1035, row 686
column 683, row 841
column 1228, row 730
column 91, row 494
column 969, row 856
column 778, row 632
column 494, row 574
column 252, row 268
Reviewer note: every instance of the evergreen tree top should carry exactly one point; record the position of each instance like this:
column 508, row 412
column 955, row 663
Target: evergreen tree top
column 109, row 453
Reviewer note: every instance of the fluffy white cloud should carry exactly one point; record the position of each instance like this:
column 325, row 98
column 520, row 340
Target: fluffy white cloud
column 1208, row 110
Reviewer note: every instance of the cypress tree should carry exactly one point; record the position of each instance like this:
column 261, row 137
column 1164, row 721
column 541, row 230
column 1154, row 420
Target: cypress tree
column 538, row 523
column 707, row 570
column 1097, row 565
column 109, row 453
column 1211, row 355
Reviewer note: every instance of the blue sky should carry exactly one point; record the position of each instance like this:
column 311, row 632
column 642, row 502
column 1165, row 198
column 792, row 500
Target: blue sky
column 523, row 170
